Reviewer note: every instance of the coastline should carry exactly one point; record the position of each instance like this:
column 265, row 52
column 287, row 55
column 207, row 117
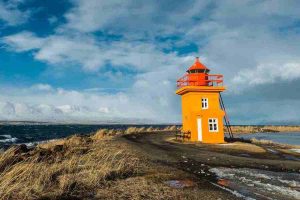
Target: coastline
column 248, row 129
column 135, row 163
column 35, row 134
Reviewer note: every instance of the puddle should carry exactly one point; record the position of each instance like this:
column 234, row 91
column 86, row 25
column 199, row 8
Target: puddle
column 290, row 157
column 245, row 155
column 272, row 151
column 178, row 184
column 259, row 184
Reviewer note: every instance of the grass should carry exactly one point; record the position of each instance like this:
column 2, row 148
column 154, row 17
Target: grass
column 258, row 129
column 240, row 147
column 69, row 169
column 271, row 143
column 98, row 166
column 130, row 130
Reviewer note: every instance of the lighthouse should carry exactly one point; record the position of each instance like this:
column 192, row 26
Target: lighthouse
column 202, row 114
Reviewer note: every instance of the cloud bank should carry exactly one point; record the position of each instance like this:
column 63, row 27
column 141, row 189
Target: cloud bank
column 253, row 43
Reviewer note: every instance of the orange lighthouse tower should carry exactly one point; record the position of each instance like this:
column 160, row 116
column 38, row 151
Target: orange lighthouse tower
column 202, row 114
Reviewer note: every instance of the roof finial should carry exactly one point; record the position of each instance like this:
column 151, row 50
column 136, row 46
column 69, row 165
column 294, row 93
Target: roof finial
column 197, row 59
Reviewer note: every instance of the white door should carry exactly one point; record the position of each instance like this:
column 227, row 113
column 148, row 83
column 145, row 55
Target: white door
column 199, row 125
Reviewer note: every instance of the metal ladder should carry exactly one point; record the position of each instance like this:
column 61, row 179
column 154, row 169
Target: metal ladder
column 227, row 123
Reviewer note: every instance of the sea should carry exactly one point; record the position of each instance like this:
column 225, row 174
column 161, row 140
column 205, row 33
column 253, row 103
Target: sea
column 33, row 134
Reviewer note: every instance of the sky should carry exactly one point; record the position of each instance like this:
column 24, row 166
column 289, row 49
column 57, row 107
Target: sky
column 97, row 61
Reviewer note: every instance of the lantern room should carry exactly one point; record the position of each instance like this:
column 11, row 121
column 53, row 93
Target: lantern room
column 198, row 75
column 202, row 115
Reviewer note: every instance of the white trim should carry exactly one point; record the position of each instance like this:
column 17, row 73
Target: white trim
column 214, row 123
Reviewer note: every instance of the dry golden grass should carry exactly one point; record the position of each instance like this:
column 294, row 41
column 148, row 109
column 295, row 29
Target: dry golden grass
column 130, row 130
column 171, row 128
column 284, row 128
column 86, row 167
column 241, row 147
column 271, row 143
column 133, row 129
column 100, row 134
column 137, row 188
column 257, row 129
column 76, row 168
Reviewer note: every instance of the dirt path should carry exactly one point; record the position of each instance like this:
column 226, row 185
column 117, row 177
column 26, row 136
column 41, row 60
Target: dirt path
column 159, row 146
column 198, row 159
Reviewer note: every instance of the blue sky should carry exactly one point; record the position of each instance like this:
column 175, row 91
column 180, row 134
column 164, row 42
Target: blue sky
column 117, row 61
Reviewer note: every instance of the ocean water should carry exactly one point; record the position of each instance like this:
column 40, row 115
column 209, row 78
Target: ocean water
column 292, row 138
column 17, row 134
column 29, row 134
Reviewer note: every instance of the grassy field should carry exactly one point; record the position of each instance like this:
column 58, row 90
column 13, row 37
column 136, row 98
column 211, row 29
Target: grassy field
column 109, row 165
column 97, row 166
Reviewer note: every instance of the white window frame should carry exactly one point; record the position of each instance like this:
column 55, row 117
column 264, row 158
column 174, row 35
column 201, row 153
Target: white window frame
column 204, row 103
column 213, row 122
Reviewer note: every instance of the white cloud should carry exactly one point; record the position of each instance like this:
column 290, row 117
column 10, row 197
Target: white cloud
column 253, row 43
column 52, row 20
column 73, row 106
column 250, row 41
column 90, row 54
column 103, row 110
column 93, row 15
column 23, row 41
column 140, row 19
column 268, row 73
column 11, row 15
column 42, row 87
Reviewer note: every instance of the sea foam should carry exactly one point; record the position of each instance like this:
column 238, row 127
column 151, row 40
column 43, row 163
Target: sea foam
column 8, row 139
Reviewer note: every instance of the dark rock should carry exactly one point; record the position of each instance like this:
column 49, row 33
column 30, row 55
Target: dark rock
column 21, row 149
column 57, row 148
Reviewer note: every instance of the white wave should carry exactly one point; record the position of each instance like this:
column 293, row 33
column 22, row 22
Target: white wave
column 32, row 144
column 6, row 136
column 9, row 139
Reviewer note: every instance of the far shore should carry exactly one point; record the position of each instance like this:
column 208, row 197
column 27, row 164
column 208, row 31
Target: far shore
column 236, row 129
column 246, row 129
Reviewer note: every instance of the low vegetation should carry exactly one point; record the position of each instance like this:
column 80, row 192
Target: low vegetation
column 97, row 166
column 263, row 129
column 74, row 168
column 271, row 143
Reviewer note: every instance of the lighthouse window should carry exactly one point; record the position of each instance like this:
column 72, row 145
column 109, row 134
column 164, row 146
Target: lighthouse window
column 204, row 103
column 213, row 124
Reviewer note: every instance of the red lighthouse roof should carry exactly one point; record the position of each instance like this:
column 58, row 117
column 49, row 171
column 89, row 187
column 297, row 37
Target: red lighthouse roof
column 198, row 75
column 198, row 65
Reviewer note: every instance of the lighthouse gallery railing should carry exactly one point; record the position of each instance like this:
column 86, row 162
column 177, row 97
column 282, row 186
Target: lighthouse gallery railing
column 200, row 80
